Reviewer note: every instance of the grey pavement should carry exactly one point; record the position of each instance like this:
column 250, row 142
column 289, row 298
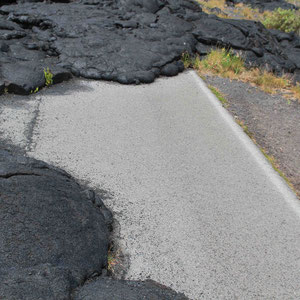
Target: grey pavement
column 199, row 208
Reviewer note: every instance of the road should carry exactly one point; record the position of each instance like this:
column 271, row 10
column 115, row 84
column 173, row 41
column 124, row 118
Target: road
column 198, row 207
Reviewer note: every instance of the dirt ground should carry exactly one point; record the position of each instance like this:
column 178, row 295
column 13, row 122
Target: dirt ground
column 273, row 121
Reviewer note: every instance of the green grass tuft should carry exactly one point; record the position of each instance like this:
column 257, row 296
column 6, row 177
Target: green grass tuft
column 224, row 62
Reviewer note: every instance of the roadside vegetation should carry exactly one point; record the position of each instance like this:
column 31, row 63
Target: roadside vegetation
column 245, row 128
column 286, row 20
column 269, row 157
column 219, row 95
column 48, row 77
column 229, row 64
column 226, row 64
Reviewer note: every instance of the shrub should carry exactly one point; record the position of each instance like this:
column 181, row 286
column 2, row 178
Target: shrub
column 286, row 20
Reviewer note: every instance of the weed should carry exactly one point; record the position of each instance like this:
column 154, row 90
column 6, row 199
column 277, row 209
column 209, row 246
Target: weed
column 48, row 77
column 113, row 259
column 269, row 82
column 186, row 59
column 286, row 20
column 34, row 91
column 196, row 62
column 219, row 95
column 223, row 62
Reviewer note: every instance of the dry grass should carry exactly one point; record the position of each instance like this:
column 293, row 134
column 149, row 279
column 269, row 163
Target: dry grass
column 226, row 64
column 243, row 10
column 296, row 91
column 113, row 259
column 286, row 20
column 222, row 62
column 247, row 12
column 207, row 6
column 213, row 3
column 267, row 81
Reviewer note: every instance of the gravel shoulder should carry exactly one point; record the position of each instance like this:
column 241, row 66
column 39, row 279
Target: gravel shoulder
column 272, row 120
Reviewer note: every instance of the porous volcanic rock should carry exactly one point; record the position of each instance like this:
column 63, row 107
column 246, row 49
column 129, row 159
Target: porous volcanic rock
column 52, row 237
column 264, row 4
column 106, row 289
column 128, row 41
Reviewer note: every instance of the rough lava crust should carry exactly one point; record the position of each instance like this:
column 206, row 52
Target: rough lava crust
column 128, row 41
column 54, row 237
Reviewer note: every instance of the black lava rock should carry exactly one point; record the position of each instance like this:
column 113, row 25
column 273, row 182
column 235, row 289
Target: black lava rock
column 51, row 236
column 128, row 41
column 107, row 289
column 54, row 236
column 2, row 87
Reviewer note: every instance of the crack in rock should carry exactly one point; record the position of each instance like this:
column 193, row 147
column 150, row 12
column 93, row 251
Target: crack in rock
column 10, row 175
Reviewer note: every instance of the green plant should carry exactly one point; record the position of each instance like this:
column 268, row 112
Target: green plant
column 186, row 59
column 286, row 20
column 34, row 91
column 219, row 95
column 224, row 62
column 190, row 62
column 196, row 62
column 48, row 77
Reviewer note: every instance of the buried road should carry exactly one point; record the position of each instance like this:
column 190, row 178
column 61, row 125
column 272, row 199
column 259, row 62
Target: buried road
column 199, row 208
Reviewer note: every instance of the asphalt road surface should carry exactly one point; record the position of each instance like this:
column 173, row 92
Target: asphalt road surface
column 199, row 208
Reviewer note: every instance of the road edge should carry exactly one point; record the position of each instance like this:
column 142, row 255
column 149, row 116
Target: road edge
column 288, row 195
